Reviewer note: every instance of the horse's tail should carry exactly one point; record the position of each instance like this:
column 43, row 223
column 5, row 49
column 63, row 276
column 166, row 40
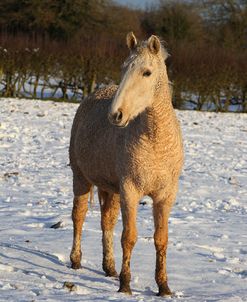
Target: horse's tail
column 91, row 196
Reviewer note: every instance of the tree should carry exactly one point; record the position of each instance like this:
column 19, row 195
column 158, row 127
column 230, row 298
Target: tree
column 226, row 20
column 173, row 21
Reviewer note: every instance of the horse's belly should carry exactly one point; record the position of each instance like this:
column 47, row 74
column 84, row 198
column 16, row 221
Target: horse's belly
column 105, row 184
column 98, row 168
column 105, row 181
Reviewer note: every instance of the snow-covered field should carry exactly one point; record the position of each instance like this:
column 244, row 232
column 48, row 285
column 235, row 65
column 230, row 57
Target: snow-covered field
column 207, row 255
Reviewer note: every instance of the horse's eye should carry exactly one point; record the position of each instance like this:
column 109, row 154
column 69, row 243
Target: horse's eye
column 147, row 73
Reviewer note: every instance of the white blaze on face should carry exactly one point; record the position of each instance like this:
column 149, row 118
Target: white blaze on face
column 135, row 91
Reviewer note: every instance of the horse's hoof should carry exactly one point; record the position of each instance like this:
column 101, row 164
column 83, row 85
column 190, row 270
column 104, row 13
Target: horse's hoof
column 125, row 289
column 76, row 265
column 164, row 290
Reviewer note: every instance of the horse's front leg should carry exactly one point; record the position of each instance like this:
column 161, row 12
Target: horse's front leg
column 129, row 203
column 161, row 211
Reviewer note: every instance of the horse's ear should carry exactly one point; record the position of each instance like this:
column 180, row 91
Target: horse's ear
column 131, row 41
column 154, row 44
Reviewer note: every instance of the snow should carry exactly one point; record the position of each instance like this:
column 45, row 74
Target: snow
column 138, row 3
column 207, row 254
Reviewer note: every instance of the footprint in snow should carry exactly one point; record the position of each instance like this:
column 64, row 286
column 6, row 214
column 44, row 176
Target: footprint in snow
column 241, row 273
column 219, row 256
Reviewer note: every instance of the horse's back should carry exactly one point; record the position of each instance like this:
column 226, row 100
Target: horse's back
column 92, row 111
column 91, row 105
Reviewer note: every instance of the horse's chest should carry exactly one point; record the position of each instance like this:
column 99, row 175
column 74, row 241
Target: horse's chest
column 147, row 169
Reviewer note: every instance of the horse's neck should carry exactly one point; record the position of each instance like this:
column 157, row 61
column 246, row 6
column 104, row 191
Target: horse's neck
column 161, row 117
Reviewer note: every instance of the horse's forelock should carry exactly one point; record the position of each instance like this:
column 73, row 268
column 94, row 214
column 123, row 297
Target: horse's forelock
column 141, row 47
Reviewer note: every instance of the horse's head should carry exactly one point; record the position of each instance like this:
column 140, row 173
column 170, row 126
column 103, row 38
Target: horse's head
column 141, row 76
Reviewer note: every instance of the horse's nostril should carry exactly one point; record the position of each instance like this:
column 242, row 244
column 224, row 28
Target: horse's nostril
column 117, row 117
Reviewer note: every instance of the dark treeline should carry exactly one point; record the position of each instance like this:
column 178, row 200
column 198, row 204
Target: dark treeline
column 66, row 48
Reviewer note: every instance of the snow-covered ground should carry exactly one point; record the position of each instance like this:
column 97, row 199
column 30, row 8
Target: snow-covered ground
column 207, row 255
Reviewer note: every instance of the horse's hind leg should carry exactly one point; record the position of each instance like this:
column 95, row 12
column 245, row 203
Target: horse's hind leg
column 110, row 205
column 80, row 205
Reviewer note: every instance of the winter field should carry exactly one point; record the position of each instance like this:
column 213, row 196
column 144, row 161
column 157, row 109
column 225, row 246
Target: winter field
column 207, row 253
